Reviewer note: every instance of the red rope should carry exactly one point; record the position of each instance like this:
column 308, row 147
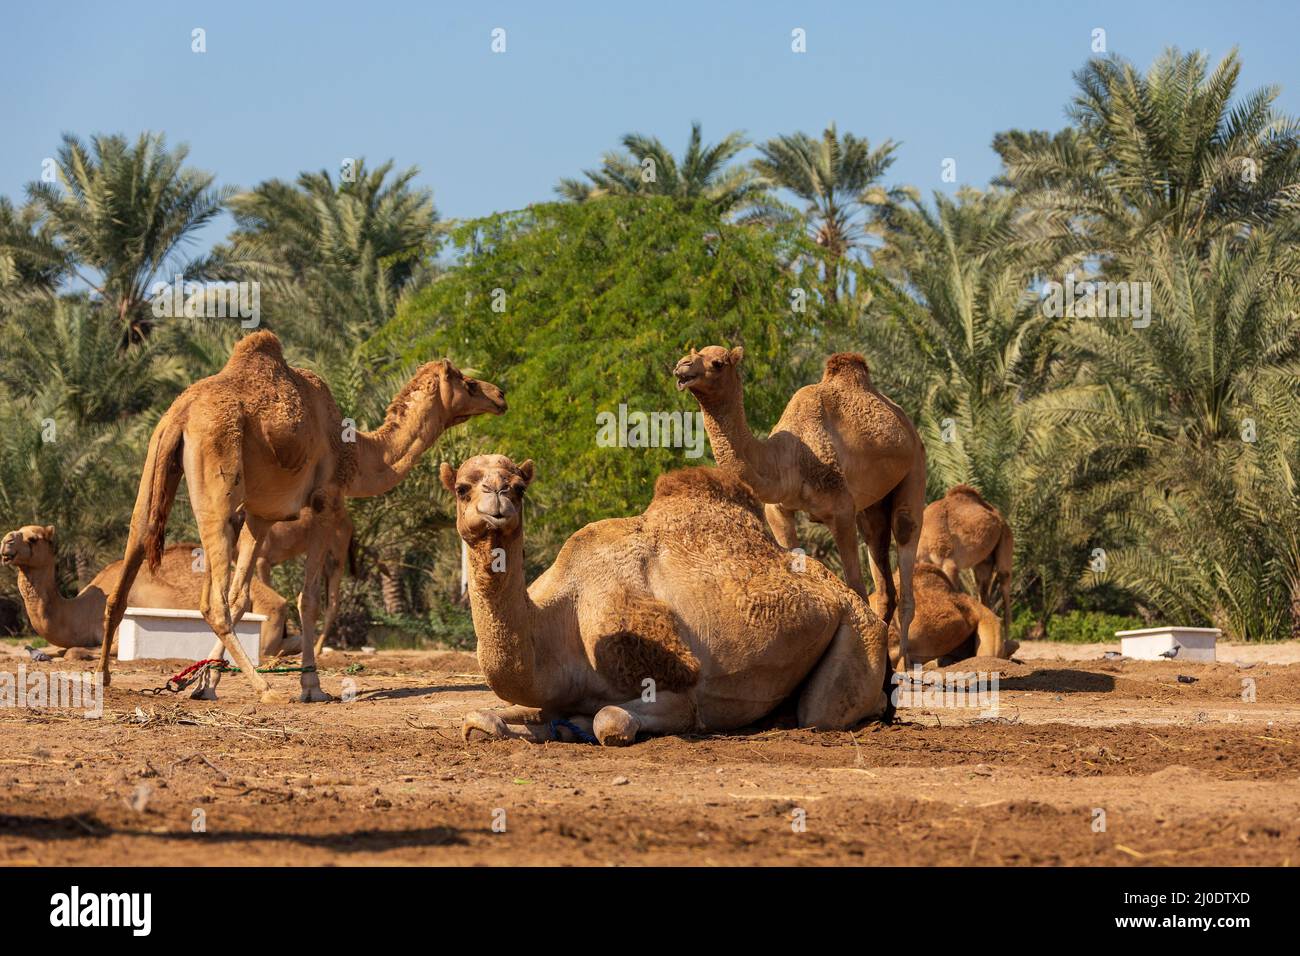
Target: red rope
column 192, row 668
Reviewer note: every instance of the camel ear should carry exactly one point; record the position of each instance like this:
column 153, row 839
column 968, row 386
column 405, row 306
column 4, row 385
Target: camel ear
column 447, row 475
column 525, row 470
column 49, row 532
column 736, row 354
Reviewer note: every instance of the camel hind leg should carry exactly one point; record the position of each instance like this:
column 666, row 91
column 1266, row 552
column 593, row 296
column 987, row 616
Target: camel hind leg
column 215, row 488
column 850, row 682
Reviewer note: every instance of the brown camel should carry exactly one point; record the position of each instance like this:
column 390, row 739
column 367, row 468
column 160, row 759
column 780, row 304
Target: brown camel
column 77, row 623
column 842, row 452
column 949, row 622
column 269, row 438
column 961, row 531
column 289, row 539
column 686, row 618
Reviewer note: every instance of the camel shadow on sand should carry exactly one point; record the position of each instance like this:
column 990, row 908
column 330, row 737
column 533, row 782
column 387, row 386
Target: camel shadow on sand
column 71, row 827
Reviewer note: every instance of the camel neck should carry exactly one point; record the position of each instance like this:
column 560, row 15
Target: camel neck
column 387, row 455
column 737, row 451
column 504, row 617
column 46, row 607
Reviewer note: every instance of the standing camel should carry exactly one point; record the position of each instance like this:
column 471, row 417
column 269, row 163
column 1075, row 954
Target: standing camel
column 269, row 438
column 686, row 618
column 842, row 452
column 78, row 622
column 961, row 531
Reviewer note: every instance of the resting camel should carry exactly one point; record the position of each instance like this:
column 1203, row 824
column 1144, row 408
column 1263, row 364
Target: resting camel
column 947, row 620
column 842, row 452
column 77, row 623
column 289, row 539
column 961, row 531
column 688, row 617
column 269, row 438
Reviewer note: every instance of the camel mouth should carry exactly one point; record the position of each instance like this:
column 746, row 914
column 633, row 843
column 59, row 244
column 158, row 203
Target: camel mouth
column 686, row 379
column 493, row 522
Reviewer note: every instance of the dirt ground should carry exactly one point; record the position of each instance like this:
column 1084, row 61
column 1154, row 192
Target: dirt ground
column 1184, row 772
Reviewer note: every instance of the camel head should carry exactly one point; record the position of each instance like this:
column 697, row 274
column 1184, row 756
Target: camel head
column 442, row 386
column 31, row 546
column 711, row 373
column 489, row 492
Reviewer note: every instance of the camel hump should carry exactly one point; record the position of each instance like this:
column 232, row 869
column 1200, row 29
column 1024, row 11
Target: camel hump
column 261, row 342
column 706, row 483
column 970, row 491
column 847, row 366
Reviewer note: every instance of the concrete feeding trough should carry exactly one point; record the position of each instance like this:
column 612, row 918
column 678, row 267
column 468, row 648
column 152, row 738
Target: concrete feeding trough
column 162, row 633
column 1170, row 643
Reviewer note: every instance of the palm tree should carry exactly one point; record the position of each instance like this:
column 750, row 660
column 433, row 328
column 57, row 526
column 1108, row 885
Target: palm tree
column 122, row 213
column 1167, row 150
column 1196, row 417
column 75, row 423
column 31, row 262
column 837, row 178
column 958, row 337
column 648, row 168
column 338, row 255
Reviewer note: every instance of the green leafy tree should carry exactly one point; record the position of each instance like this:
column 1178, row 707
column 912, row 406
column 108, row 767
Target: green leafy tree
column 577, row 309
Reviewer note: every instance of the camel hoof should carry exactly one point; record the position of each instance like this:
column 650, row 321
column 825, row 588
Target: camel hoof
column 615, row 727
column 314, row 695
column 479, row 725
column 204, row 693
column 275, row 697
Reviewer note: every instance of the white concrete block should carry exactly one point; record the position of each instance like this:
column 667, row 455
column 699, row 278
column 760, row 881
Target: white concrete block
column 159, row 633
column 1154, row 643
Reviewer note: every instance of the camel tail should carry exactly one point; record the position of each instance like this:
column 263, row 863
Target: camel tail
column 158, row 482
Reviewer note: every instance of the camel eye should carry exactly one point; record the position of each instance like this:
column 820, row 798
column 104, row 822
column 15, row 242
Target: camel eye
column 462, row 491
column 519, row 489
column 717, row 363
column 472, row 386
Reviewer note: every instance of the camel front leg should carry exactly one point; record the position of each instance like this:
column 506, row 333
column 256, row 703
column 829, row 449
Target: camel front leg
column 617, row 725
column 510, row 723
column 873, row 523
column 845, row 529
column 784, row 526
column 332, row 582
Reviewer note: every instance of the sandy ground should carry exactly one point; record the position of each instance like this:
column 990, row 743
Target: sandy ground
column 1184, row 773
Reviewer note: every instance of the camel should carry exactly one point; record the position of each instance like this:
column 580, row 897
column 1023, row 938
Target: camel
column 686, row 618
column 842, row 452
column 962, row 530
column 289, row 539
column 947, row 620
column 268, row 438
column 75, row 624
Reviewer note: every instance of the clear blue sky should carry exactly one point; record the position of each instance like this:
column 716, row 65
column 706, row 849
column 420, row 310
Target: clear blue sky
column 284, row 87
